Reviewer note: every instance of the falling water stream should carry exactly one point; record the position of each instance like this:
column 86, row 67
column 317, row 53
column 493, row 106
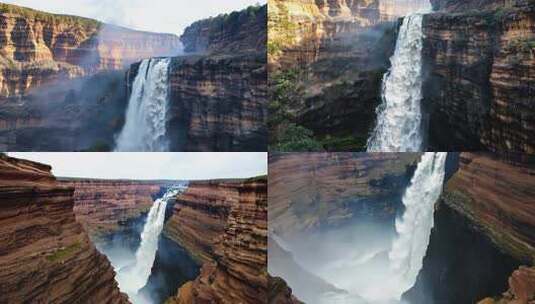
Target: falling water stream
column 399, row 117
column 132, row 278
column 146, row 115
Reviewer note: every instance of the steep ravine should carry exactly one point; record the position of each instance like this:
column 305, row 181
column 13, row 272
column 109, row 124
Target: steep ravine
column 45, row 255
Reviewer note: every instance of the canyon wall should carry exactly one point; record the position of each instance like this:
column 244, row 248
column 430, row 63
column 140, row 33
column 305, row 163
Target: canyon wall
column 223, row 224
column 483, row 232
column 479, row 56
column 218, row 89
column 38, row 48
column 314, row 190
column 103, row 206
column 45, row 255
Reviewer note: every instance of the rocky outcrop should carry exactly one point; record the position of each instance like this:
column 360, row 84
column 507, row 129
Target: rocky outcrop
column 313, row 190
column 235, row 253
column 102, row 206
column 279, row 292
column 240, row 31
column 483, row 232
column 45, row 255
column 38, row 48
column 480, row 58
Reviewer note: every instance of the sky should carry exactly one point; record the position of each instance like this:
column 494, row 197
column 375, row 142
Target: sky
column 176, row 166
column 163, row 16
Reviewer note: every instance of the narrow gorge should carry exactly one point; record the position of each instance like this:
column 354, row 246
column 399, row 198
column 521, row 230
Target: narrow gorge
column 130, row 241
column 386, row 232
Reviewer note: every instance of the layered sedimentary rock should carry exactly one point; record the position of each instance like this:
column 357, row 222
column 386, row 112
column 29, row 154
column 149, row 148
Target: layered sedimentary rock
column 218, row 90
column 480, row 58
column 200, row 215
column 313, row 190
column 101, row 206
column 483, row 232
column 37, row 48
column 235, row 254
column 45, row 255
column 239, row 31
column 279, row 292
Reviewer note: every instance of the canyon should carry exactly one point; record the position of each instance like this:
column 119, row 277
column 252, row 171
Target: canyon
column 328, row 60
column 46, row 256
column 480, row 249
column 68, row 81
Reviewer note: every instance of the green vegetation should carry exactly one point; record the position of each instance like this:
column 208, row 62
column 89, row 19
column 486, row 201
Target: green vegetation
column 285, row 134
column 34, row 14
column 63, row 253
column 99, row 146
column 345, row 143
column 282, row 33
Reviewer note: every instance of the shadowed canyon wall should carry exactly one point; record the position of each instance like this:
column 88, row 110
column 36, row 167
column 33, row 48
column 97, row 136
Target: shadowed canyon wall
column 479, row 56
column 223, row 224
column 45, row 255
column 483, row 232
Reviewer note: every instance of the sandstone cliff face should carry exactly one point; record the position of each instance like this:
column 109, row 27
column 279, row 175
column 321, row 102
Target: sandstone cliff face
column 45, row 255
column 308, row 191
column 200, row 215
column 37, row 48
column 243, row 31
column 101, row 206
column 483, row 232
column 231, row 238
column 218, row 98
column 480, row 58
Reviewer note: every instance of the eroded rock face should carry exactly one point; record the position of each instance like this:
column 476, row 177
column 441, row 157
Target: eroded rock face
column 101, row 206
column 38, row 48
column 343, row 186
column 45, row 255
column 480, row 59
column 483, row 232
column 234, row 246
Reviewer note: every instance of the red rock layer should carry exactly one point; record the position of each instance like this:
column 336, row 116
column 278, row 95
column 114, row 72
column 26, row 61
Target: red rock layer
column 521, row 288
column 300, row 184
column 499, row 196
column 38, row 48
column 100, row 205
column 481, row 79
column 45, row 255
column 200, row 216
column 237, row 272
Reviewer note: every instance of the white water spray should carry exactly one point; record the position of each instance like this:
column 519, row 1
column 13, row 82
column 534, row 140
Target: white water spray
column 399, row 117
column 145, row 126
column 414, row 228
column 134, row 277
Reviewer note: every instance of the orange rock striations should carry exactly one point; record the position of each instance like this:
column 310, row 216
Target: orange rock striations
column 45, row 255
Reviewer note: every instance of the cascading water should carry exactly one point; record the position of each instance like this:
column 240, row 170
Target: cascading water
column 414, row 227
column 399, row 117
column 145, row 126
column 134, row 277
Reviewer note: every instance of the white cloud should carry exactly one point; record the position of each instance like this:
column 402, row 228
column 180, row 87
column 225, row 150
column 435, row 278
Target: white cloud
column 152, row 165
column 165, row 16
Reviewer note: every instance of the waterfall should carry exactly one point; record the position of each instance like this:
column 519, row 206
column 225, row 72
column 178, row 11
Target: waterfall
column 134, row 277
column 399, row 117
column 414, row 228
column 145, row 125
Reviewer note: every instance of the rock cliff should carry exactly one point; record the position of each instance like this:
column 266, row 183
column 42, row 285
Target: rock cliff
column 45, row 255
column 38, row 48
column 480, row 57
column 224, row 224
column 483, row 233
column 102, row 206
column 313, row 190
